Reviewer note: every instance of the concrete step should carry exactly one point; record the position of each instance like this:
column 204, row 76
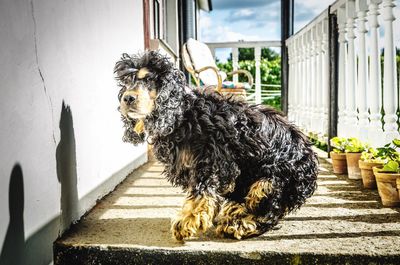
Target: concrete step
column 341, row 224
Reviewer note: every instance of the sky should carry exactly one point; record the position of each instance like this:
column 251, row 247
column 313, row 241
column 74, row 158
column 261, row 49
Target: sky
column 233, row 20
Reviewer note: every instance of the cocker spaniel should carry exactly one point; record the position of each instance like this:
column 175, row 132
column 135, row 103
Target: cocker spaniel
column 243, row 166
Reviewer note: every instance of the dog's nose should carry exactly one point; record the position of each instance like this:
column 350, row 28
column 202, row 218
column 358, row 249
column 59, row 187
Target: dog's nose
column 129, row 99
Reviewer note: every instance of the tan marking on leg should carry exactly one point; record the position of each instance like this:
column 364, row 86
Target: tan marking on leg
column 139, row 127
column 257, row 192
column 234, row 220
column 197, row 216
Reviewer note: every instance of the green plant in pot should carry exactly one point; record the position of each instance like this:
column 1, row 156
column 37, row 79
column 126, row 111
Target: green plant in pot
column 353, row 148
column 368, row 160
column 338, row 155
column 388, row 175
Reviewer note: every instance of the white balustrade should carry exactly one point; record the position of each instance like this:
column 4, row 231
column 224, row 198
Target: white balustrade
column 359, row 81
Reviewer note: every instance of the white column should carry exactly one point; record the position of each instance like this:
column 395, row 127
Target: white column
column 389, row 74
column 306, row 85
column 309, row 81
column 325, row 76
column 342, row 72
column 290, row 62
column 235, row 62
column 257, row 56
column 361, row 8
column 292, row 81
column 319, row 87
column 296, row 82
column 375, row 132
column 314, row 79
column 303, row 75
column 351, row 85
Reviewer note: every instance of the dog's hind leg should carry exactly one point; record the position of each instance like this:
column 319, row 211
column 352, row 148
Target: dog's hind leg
column 239, row 220
column 258, row 191
column 197, row 215
column 234, row 220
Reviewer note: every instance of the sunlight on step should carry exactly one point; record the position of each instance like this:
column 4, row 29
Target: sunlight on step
column 147, row 212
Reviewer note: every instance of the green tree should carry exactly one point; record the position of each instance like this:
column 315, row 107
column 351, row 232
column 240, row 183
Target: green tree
column 270, row 68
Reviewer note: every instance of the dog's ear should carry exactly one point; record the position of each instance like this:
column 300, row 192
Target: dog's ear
column 132, row 134
column 125, row 70
column 169, row 104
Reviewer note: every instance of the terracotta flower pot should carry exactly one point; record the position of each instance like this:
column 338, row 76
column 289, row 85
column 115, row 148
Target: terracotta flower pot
column 398, row 186
column 352, row 165
column 367, row 174
column 339, row 163
column 386, row 183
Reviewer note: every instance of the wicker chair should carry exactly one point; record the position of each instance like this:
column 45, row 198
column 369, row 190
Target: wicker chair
column 199, row 62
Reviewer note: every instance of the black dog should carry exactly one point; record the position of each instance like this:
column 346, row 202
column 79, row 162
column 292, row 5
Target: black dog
column 243, row 166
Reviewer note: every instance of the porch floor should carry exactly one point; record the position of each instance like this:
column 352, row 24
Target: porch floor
column 341, row 224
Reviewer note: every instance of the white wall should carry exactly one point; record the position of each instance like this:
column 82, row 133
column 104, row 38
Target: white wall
column 57, row 53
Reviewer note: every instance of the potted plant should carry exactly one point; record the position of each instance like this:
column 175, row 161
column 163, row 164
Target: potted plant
column 368, row 160
column 387, row 175
column 338, row 155
column 354, row 147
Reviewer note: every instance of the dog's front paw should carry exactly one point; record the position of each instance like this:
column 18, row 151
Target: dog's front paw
column 180, row 229
column 190, row 224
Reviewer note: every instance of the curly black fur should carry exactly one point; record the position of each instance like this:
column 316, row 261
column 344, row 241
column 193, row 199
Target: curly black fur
column 232, row 142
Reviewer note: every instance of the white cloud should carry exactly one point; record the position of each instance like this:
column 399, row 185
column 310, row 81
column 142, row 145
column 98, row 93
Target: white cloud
column 245, row 12
column 218, row 33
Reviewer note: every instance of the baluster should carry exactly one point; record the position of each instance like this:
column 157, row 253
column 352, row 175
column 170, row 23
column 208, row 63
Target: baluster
column 351, row 86
column 389, row 73
column 309, row 81
column 289, row 53
column 342, row 72
column 325, row 76
column 235, row 62
column 296, row 82
column 303, row 70
column 318, row 83
column 257, row 55
column 313, row 76
column 375, row 132
column 291, row 81
column 361, row 8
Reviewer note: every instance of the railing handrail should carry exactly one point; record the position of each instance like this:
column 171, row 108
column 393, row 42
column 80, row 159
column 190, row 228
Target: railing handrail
column 257, row 45
column 244, row 44
column 323, row 15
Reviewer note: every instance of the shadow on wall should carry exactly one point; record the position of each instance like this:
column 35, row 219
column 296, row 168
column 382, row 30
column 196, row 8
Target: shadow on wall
column 66, row 168
column 38, row 248
column 13, row 248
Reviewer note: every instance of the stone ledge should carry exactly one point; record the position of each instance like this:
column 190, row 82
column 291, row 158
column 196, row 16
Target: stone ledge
column 341, row 224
